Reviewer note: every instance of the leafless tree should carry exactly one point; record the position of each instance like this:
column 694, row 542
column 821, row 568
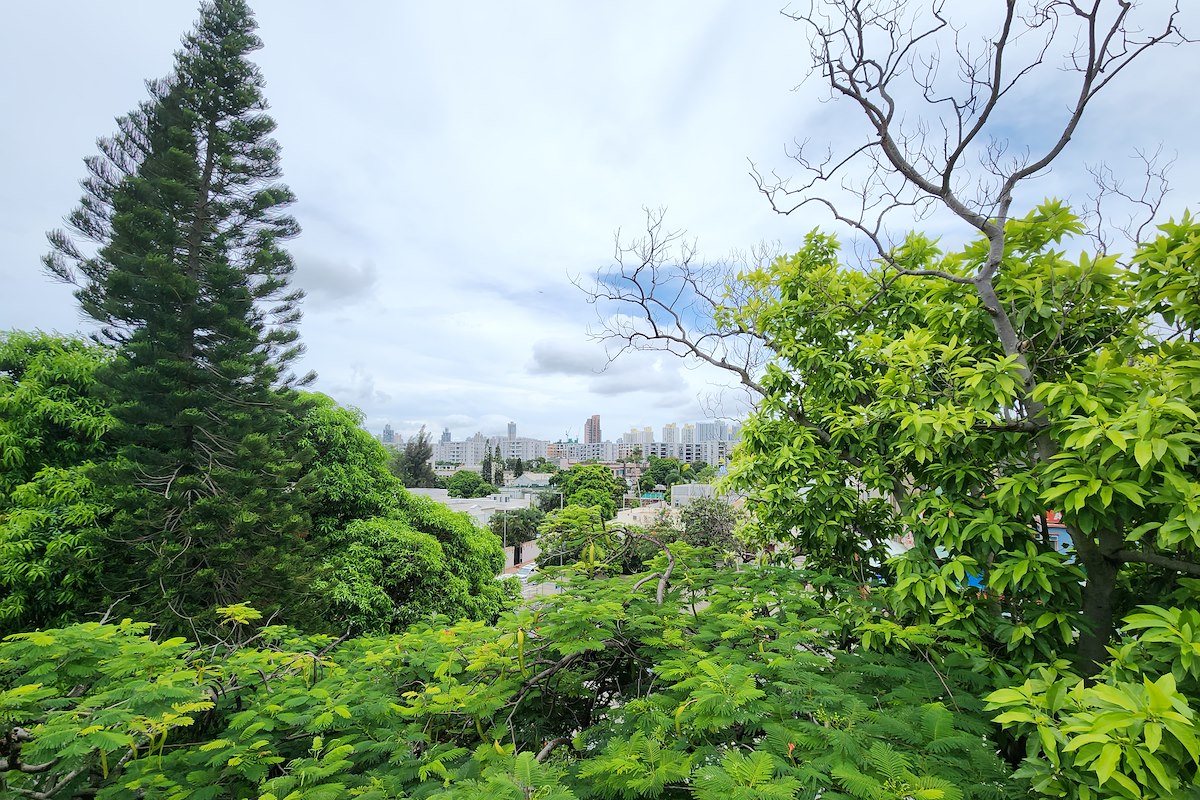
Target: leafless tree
column 671, row 302
column 938, row 95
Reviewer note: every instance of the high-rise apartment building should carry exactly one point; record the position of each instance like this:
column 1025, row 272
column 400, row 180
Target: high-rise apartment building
column 389, row 435
column 445, row 436
column 712, row 431
column 512, row 431
column 670, row 433
column 643, row 435
column 591, row 430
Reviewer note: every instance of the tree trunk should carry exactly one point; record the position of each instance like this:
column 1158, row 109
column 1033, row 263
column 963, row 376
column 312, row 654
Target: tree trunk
column 1101, row 567
column 1095, row 555
column 1097, row 610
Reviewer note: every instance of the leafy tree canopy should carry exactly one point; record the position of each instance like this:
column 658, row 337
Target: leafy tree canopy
column 591, row 485
column 908, row 427
column 176, row 250
column 50, row 414
column 53, row 430
column 710, row 522
column 466, row 483
column 517, row 526
column 566, row 532
column 704, row 684
column 386, row 559
column 413, row 463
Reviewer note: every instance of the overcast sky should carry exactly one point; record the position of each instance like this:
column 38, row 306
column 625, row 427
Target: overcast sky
column 456, row 164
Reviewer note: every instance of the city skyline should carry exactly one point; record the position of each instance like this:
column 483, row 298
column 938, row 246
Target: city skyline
column 514, row 429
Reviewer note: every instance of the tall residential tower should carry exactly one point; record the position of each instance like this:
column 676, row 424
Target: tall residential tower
column 591, row 430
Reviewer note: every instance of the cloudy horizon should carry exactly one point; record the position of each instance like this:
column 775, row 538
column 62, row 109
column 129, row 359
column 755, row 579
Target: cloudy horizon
column 457, row 169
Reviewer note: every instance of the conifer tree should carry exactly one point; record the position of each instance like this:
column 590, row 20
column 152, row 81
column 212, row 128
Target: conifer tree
column 175, row 251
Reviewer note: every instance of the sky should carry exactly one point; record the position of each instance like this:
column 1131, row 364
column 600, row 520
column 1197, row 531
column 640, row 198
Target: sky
column 459, row 167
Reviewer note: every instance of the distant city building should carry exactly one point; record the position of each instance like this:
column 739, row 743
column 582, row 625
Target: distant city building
column 688, row 434
column 574, row 452
column 710, row 442
column 670, row 433
column 638, row 436
column 715, row 453
column 523, row 448
column 626, row 450
column 591, row 430
column 389, row 435
column 470, row 452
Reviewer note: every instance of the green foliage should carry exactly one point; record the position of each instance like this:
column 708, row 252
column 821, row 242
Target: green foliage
column 176, row 250
column 710, row 522
column 517, row 526
column 551, row 501
column 1132, row 733
column 385, row 576
column 661, row 472
column 387, row 559
column 52, row 431
column 466, row 483
column 895, row 406
column 733, row 686
column 378, row 560
column 50, row 414
column 908, row 427
column 492, row 467
column 413, row 463
column 591, row 485
column 566, row 534
column 48, row 547
column 541, row 464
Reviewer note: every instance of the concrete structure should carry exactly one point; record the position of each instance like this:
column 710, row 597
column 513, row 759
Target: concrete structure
column 469, row 453
column 645, row 515
column 684, row 493
column 716, row 431
column 530, row 480
column 707, row 442
column 625, row 450
column 567, row 453
column 637, row 435
column 591, row 430
column 715, row 453
column 479, row 509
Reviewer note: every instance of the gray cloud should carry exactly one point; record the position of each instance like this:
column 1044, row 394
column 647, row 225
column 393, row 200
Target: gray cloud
column 452, row 171
column 360, row 389
column 330, row 284
column 653, row 378
column 552, row 357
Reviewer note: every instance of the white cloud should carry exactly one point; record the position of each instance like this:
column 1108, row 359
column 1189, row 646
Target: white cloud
column 454, row 169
